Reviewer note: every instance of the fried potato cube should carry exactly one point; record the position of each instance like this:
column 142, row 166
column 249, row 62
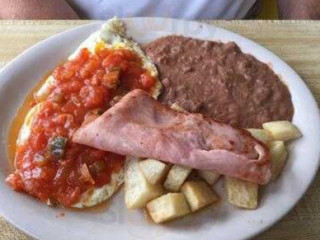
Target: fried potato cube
column 138, row 191
column 279, row 155
column 261, row 134
column 176, row 177
column 282, row 130
column 198, row 194
column 210, row 177
column 154, row 170
column 241, row 193
column 167, row 207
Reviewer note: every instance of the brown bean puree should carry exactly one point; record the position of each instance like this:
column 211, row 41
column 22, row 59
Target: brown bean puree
column 220, row 81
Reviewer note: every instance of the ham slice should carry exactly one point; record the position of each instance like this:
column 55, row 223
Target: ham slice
column 139, row 125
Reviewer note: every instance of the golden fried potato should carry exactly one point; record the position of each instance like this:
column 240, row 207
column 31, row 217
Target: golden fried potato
column 279, row 155
column 155, row 171
column 241, row 193
column 282, row 130
column 138, row 191
column 176, row 177
column 198, row 194
column 261, row 134
column 167, row 207
column 210, row 177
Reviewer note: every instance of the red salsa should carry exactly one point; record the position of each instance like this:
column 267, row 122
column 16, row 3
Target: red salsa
column 49, row 165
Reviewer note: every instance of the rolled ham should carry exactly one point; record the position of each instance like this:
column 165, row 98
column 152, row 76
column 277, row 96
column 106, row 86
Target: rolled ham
column 140, row 126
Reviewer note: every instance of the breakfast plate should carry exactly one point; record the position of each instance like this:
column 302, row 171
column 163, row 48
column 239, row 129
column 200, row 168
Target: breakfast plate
column 113, row 220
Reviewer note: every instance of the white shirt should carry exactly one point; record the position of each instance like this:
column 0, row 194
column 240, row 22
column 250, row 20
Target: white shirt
column 185, row 9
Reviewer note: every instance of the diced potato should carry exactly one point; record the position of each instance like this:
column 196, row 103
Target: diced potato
column 241, row 193
column 279, row 155
column 138, row 191
column 176, row 107
column 167, row 207
column 176, row 177
column 210, row 177
column 198, row 194
column 282, row 130
column 155, row 171
column 261, row 134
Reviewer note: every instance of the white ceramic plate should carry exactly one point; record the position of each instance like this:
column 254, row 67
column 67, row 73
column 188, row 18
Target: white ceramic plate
column 116, row 223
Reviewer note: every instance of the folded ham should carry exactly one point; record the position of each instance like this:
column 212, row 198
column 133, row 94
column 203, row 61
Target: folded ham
column 139, row 125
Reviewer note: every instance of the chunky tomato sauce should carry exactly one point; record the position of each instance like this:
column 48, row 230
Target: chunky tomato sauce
column 49, row 165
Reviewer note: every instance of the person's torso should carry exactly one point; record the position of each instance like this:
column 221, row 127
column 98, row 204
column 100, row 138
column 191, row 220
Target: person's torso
column 185, row 9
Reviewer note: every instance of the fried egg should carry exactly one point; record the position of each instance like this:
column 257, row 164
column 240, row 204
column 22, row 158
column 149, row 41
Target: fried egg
column 112, row 35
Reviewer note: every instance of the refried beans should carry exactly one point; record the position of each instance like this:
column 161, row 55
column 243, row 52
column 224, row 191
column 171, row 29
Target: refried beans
column 218, row 80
